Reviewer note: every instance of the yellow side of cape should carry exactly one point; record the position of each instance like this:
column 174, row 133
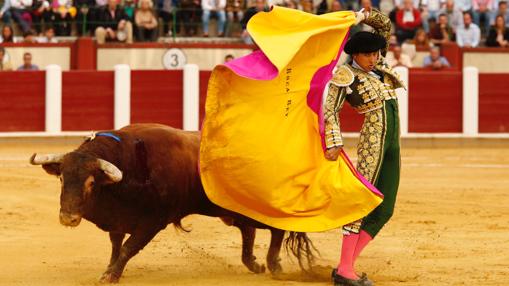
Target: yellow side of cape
column 261, row 153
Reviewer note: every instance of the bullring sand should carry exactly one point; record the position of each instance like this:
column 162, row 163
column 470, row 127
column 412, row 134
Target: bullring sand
column 451, row 227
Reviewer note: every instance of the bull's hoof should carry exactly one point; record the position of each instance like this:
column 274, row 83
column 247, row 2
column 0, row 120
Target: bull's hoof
column 109, row 278
column 253, row 266
column 257, row 268
column 275, row 268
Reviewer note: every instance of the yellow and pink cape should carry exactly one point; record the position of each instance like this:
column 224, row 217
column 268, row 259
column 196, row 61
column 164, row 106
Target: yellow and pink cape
column 262, row 149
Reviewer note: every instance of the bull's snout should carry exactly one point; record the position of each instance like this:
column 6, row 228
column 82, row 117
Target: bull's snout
column 68, row 219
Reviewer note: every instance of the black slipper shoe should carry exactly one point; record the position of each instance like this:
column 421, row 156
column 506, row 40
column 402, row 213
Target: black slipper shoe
column 339, row 280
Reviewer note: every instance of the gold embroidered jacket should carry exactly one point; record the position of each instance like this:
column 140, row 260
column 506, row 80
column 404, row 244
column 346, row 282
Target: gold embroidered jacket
column 364, row 91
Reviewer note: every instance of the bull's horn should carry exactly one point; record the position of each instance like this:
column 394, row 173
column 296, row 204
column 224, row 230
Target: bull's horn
column 41, row 159
column 110, row 170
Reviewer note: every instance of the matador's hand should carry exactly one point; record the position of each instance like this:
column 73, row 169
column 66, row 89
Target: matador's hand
column 362, row 15
column 332, row 154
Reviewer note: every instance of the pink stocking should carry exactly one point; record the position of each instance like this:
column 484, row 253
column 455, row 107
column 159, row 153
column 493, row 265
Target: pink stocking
column 345, row 267
column 364, row 239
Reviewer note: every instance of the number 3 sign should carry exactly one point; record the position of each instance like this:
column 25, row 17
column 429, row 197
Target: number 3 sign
column 174, row 59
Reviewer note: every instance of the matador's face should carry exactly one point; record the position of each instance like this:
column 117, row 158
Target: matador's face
column 367, row 61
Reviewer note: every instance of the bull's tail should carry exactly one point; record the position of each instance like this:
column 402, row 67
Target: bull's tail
column 299, row 244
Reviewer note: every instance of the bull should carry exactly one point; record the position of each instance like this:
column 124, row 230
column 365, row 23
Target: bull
column 139, row 179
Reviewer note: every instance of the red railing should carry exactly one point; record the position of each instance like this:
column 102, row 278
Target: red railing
column 435, row 101
column 87, row 100
column 22, row 101
column 493, row 103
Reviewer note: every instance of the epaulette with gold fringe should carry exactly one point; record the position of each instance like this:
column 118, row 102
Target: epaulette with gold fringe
column 343, row 76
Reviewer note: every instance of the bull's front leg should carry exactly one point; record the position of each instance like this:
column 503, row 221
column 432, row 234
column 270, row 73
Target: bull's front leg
column 248, row 238
column 273, row 260
column 136, row 242
column 116, row 239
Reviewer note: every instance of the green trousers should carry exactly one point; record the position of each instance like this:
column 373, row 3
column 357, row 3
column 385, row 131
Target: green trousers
column 387, row 178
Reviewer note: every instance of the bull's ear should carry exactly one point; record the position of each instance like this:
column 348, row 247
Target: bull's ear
column 52, row 169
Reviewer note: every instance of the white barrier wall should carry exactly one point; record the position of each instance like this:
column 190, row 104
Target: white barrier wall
column 470, row 101
column 191, row 98
column 53, row 102
column 122, row 96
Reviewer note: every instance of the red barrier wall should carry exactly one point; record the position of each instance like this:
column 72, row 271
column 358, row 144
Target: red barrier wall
column 493, row 103
column 22, row 101
column 87, row 100
column 156, row 97
column 435, row 101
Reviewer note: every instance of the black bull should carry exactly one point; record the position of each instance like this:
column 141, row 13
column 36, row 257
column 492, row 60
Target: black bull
column 138, row 181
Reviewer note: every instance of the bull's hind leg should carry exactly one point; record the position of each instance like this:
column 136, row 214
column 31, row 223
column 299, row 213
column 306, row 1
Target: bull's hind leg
column 130, row 248
column 248, row 237
column 273, row 259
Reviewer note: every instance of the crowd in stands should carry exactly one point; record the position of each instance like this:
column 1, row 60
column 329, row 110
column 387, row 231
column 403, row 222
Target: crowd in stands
column 417, row 24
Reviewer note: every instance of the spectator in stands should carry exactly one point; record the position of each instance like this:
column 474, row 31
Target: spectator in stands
column 41, row 10
column 49, row 36
column 7, row 34
column 94, row 13
column 234, row 11
column 463, row 5
column 213, row 8
column 29, row 37
column 421, row 40
column 398, row 58
column 482, row 10
column 146, row 22
column 307, row 6
column 400, row 4
column 190, row 15
column 322, row 8
column 27, row 63
column 351, row 5
column 84, row 16
column 434, row 60
column 336, row 6
column 63, row 15
column 469, row 35
column 291, row 4
column 5, row 64
column 454, row 15
column 114, row 24
column 442, row 32
column 250, row 12
column 387, row 6
column 167, row 10
column 430, row 12
column 228, row 58
column 502, row 10
column 130, row 9
column 499, row 34
column 408, row 20
column 19, row 11
column 5, row 14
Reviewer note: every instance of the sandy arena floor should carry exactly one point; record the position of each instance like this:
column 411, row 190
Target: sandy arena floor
column 451, row 227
